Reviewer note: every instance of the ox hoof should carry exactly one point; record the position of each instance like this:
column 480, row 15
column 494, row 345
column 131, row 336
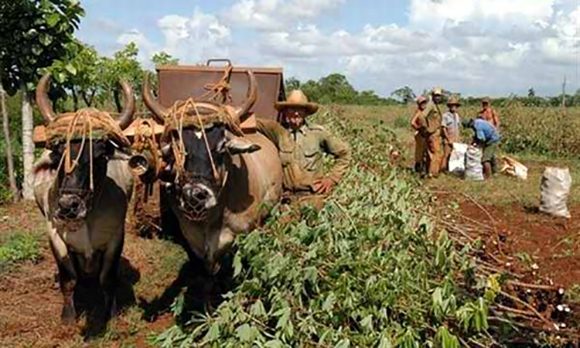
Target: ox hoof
column 68, row 315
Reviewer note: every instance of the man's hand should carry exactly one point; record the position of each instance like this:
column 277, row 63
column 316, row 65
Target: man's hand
column 323, row 186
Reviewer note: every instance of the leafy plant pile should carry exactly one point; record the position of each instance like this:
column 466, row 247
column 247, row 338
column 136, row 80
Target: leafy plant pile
column 368, row 270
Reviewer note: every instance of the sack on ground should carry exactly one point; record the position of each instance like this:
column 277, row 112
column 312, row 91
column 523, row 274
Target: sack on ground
column 556, row 184
column 457, row 159
column 473, row 166
column 514, row 168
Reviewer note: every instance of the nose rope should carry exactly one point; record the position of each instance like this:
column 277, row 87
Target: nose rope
column 81, row 125
column 178, row 144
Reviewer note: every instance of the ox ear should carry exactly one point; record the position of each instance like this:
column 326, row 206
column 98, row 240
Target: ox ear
column 237, row 146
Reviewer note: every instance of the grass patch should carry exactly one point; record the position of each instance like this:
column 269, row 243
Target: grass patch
column 18, row 247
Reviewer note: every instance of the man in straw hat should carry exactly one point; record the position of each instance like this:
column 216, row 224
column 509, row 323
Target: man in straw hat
column 450, row 129
column 432, row 118
column 420, row 141
column 302, row 146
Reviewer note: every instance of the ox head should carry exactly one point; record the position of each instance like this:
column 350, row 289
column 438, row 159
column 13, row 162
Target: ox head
column 197, row 158
column 78, row 184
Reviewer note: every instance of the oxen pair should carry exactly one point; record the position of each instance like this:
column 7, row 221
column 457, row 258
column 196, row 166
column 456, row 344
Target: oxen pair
column 216, row 180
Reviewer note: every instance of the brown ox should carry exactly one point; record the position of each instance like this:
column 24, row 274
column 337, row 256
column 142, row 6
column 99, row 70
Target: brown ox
column 85, row 205
column 224, row 183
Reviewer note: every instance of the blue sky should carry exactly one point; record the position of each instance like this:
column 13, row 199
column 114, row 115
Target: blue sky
column 475, row 47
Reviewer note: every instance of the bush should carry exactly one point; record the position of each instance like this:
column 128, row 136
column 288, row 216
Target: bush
column 18, row 247
column 368, row 270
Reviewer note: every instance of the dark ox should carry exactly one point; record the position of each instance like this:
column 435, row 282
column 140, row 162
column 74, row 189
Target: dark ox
column 226, row 182
column 85, row 222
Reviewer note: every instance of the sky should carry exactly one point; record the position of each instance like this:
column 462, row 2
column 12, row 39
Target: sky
column 472, row 47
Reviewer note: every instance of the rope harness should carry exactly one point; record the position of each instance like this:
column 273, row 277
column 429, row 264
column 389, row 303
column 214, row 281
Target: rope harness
column 86, row 125
column 219, row 89
column 187, row 115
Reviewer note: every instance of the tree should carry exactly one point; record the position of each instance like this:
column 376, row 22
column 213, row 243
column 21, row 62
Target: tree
column 292, row 84
column 8, row 146
column 78, row 73
column 404, row 94
column 123, row 65
column 531, row 93
column 163, row 58
column 34, row 34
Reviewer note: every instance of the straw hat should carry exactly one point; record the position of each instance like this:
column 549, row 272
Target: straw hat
column 297, row 99
column 437, row 91
column 453, row 101
column 486, row 100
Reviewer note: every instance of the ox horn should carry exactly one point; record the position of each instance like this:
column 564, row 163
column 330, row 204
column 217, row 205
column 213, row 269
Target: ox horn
column 126, row 116
column 42, row 101
column 252, row 96
column 159, row 111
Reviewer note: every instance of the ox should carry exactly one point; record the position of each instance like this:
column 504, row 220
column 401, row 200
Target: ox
column 225, row 181
column 85, row 207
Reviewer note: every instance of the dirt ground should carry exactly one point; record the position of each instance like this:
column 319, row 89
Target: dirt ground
column 30, row 303
column 537, row 242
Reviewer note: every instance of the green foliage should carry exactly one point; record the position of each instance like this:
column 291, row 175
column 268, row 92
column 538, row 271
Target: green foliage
column 405, row 94
column 367, row 270
column 78, row 72
column 123, row 65
column 18, row 247
column 34, row 34
column 544, row 131
column 163, row 58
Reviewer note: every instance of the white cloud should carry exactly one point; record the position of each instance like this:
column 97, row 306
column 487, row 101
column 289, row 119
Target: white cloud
column 194, row 38
column 269, row 15
column 478, row 46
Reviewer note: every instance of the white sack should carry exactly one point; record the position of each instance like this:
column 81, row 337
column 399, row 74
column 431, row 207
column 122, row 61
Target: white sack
column 556, row 184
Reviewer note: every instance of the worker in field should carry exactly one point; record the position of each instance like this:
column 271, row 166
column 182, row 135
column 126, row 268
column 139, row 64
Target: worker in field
column 487, row 138
column 451, row 132
column 432, row 118
column 488, row 113
column 302, row 146
column 417, row 123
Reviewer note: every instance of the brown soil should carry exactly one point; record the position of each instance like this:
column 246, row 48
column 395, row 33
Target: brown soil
column 539, row 244
column 30, row 302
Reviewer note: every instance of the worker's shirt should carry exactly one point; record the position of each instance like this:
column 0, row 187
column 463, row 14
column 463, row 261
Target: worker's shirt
column 452, row 122
column 490, row 116
column 302, row 152
column 432, row 118
column 485, row 132
column 311, row 142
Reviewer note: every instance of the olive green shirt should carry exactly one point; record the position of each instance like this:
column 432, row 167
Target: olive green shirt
column 302, row 151
column 433, row 118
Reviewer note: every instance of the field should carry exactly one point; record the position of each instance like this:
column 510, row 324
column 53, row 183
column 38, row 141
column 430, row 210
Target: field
column 390, row 260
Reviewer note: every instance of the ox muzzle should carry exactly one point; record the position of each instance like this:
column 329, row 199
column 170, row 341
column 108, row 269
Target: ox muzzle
column 71, row 207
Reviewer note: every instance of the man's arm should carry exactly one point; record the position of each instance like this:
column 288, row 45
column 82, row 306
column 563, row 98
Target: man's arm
column 415, row 120
column 341, row 152
column 272, row 130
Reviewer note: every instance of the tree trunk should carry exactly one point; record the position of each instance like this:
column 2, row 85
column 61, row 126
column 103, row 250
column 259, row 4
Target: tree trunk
column 8, row 148
column 75, row 99
column 27, row 145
